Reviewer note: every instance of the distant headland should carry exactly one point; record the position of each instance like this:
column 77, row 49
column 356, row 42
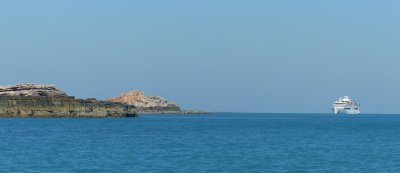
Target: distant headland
column 34, row 100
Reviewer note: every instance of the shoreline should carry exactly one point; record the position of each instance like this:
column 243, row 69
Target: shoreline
column 183, row 112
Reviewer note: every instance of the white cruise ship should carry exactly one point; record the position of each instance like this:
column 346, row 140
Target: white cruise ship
column 345, row 105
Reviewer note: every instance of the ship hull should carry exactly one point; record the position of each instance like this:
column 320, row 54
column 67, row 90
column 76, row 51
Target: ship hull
column 339, row 110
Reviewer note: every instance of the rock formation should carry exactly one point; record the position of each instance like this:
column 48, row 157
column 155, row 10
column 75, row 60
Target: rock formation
column 33, row 90
column 147, row 104
column 31, row 100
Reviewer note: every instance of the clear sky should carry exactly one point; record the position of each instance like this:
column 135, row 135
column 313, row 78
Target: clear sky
column 215, row 55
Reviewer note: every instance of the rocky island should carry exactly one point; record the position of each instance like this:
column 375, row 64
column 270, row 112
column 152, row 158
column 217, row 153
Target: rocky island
column 32, row 100
column 146, row 104
column 151, row 104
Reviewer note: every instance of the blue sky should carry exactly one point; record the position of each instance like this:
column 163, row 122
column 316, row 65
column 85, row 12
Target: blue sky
column 248, row 56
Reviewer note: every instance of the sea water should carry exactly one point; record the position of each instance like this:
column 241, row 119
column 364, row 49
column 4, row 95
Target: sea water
column 219, row 142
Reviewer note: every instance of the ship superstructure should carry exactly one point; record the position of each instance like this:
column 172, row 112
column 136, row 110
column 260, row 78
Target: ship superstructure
column 345, row 105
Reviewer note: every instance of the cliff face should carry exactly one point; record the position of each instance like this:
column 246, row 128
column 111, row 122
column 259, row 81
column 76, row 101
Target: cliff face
column 31, row 100
column 146, row 104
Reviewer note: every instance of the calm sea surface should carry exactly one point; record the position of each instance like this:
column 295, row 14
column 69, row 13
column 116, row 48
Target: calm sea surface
column 218, row 142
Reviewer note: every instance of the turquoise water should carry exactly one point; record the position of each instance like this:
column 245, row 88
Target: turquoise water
column 203, row 143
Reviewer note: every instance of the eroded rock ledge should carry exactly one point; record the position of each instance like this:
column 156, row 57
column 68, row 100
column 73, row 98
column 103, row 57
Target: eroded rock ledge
column 32, row 100
column 32, row 90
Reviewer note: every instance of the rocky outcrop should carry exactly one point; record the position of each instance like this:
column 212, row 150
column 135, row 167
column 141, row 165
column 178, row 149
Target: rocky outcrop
column 31, row 100
column 147, row 104
column 33, row 90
